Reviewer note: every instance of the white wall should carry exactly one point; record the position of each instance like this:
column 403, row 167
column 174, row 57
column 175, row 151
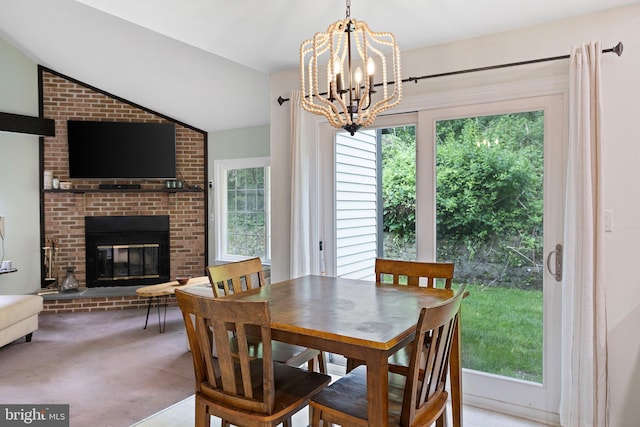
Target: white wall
column 621, row 91
column 232, row 144
column 19, row 181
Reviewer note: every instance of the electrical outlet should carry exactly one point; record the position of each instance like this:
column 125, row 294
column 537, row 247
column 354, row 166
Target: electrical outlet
column 1, row 227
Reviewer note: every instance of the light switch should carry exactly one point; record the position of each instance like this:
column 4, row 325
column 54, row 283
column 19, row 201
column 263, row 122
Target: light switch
column 608, row 220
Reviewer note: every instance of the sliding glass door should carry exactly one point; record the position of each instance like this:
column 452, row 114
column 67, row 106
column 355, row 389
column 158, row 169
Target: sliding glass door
column 485, row 191
column 493, row 179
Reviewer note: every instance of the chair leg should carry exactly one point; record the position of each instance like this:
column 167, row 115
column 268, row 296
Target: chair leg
column 203, row 419
column 322, row 363
column 287, row 422
column 352, row 364
column 315, row 416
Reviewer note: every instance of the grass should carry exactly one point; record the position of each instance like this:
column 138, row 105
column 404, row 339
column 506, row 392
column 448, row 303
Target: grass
column 502, row 332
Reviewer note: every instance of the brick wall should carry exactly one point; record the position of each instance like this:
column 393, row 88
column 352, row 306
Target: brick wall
column 104, row 304
column 101, row 304
column 65, row 99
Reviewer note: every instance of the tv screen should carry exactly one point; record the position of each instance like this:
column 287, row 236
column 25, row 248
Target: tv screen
column 119, row 150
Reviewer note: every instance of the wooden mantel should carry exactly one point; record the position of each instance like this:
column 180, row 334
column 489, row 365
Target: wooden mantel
column 27, row 124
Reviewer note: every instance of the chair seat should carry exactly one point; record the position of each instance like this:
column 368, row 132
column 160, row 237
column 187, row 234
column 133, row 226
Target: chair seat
column 348, row 395
column 292, row 355
column 292, row 389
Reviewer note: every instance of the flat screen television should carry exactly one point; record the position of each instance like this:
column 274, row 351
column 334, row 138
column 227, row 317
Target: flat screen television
column 121, row 150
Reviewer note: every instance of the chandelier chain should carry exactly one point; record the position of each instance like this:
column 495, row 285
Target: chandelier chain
column 348, row 9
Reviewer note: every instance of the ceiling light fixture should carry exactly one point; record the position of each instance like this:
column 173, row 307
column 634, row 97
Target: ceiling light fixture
column 348, row 98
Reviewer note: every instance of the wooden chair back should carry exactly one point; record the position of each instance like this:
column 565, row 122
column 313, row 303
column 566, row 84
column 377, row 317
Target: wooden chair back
column 425, row 396
column 240, row 276
column 236, row 378
column 397, row 272
column 419, row 400
column 410, row 273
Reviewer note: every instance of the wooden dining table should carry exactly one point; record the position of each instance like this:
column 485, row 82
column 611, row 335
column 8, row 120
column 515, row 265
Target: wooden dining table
column 360, row 319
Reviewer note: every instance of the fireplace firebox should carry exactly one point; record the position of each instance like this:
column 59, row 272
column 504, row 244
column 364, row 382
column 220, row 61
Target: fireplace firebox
column 127, row 250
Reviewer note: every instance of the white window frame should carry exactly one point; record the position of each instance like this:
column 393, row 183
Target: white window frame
column 220, row 204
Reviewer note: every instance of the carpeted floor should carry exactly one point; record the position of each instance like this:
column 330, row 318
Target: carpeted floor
column 109, row 370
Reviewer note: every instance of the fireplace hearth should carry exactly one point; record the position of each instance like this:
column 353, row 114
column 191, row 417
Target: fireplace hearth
column 127, row 250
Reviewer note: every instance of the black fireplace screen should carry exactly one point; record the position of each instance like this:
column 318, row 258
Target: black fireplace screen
column 127, row 250
column 124, row 262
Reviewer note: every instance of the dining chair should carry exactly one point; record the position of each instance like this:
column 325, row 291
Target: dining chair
column 233, row 277
column 241, row 276
column 409, row 273
column 236, row 386
column 417, row 399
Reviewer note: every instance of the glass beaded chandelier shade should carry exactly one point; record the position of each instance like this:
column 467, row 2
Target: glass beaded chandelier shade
column 338, row 70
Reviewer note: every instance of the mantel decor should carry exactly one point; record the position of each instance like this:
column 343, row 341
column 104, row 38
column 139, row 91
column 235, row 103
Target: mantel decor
column 334, row 60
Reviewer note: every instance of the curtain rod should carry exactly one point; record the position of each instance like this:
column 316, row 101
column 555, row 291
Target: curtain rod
column 617, row 49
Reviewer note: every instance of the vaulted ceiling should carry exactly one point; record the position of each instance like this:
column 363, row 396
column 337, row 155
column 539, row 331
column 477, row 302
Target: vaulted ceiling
column 202, row 61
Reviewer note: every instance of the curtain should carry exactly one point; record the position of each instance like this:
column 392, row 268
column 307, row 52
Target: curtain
column 300, row 232
column 584, row 398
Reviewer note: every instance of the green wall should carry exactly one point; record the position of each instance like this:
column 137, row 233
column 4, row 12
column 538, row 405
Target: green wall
column 19, row 175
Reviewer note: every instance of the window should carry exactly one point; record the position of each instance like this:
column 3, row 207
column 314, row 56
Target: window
column 242, row 212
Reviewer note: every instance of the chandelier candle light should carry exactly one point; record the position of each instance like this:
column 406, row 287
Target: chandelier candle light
column 348, row 101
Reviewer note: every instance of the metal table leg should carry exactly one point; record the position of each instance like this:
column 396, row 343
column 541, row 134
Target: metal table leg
column 161, row 325
column 146, row 320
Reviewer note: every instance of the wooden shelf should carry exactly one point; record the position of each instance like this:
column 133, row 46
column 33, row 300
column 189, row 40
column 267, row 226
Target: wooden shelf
column 126, row 190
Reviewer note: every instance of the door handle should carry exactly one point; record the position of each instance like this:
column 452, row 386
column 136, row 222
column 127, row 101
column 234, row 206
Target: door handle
column 557, row 272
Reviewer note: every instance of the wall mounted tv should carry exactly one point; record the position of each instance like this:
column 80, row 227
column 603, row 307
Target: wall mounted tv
column 120, row 150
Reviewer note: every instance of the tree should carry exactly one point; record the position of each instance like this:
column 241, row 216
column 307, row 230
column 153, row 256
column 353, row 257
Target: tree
column 399, row 182
column 489, row 173
column 489, row 176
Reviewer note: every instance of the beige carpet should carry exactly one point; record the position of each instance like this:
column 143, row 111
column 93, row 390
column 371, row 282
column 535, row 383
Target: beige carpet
column 103, row 364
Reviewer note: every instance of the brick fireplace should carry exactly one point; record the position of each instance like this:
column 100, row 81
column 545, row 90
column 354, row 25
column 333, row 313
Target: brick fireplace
column 65, row 212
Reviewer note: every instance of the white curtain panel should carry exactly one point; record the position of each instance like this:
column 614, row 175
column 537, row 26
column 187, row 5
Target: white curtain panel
column 301, row 153
column 584, row 399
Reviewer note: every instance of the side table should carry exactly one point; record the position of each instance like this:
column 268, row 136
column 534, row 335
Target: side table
column 164, row 290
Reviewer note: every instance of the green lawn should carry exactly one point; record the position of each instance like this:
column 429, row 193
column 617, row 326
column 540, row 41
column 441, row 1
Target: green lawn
column 502, row 332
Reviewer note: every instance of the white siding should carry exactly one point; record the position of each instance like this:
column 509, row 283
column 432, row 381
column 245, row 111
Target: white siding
column 356, row 205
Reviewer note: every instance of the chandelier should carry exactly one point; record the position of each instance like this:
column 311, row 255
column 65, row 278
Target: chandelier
column 334, row 60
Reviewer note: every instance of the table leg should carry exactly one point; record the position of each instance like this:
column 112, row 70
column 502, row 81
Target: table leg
column 455, row 373
column 146, row 320
column 164, row 320
column 378, row 388
column 161, row 324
